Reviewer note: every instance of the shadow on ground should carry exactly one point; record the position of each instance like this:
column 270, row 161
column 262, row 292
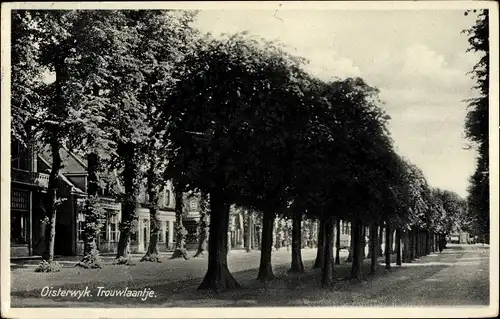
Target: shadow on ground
column 286, row 290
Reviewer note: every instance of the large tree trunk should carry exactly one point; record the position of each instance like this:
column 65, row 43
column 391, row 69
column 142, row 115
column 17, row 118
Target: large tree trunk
column 249, row 232
column 357, row 260
column 89, row 235
column 417, row 242
column 370, row 242
column 58, row 109
column 277, row 234
column 320, row 253
column 380, row 241
column 398, row 247
column 180, row 249
column 94, row 216
column 420, row 243
column 436, row 242
column 406, row 246
column 327, row 269
column 297, row 265
column 129, row 217
column 218, row 277
column 424, row 243
column 411, row 244
column 373, row 248
column 337, row 242
column 387, row 250
column 428, row 242
column 311, row 234
column 363, row 236
column 431, row 241
column 203, row 227
column 55, row 147
column 152, row 190
column 266, row 269
column 351, row 245
column 393, row 234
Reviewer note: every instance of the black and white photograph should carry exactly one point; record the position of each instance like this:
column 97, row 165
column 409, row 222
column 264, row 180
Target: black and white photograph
column 295, row 159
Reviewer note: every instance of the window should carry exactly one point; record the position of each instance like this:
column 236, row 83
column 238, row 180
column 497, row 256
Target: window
column 80, row 226
column 160, row 231
column 114, row 233
column 19, row 156
column 20, row 199
column 18, row 229
column 193, row 205
column 133, row 235
column 103, row 236
column 166, row 199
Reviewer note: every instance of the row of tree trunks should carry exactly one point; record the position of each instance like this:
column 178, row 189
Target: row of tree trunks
column 417, row 242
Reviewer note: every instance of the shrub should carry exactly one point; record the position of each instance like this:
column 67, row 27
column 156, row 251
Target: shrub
column 46, row 266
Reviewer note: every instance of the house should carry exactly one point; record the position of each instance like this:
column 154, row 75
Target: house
column 29, row 182
column 27, row 200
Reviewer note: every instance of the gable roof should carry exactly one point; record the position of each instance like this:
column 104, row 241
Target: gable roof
column 64, row 178
column 71, row 162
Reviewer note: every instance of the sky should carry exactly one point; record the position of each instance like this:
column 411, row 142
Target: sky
column 417, row 59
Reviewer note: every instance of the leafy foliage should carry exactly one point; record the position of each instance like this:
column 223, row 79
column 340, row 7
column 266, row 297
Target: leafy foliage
column 477, row 121
column 26, row 73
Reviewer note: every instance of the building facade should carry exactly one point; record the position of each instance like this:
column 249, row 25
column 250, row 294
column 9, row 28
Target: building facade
column 29, row 183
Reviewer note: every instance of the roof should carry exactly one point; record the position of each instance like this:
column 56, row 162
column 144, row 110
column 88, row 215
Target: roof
column 71, row 162
column 64, row 178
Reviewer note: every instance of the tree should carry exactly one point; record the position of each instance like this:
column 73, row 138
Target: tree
column 225, row 131
column 76, row 46
column 164, row 36
column 477, row 120
column 57, row 34
column 94, row 48
column 140, row 76
column 26, row 72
